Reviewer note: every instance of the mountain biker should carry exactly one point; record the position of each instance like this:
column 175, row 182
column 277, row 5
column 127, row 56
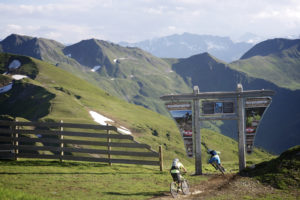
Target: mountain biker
column 215, row 158
column 176, row 170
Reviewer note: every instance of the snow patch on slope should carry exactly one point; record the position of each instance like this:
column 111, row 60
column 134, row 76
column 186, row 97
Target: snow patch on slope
column 15, row 64
column 96, row 68
column 6, row 88
column 19, row 76
column 102, row 120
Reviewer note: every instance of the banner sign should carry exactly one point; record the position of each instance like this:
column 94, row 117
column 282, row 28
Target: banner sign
column 217, row 107
column 182, row 114
column 254, row 109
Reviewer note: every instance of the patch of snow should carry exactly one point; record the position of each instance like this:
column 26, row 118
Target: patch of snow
column 6, row 88
column 112, row 79
column 100, row 118
column 171, row 71
column 211, row 45
column 15, row 64
column 131, row 76
column 118, row 59
column 69, row 55
column 104, row 121
column 19, row 76
column 96, row 68
column 124, row 130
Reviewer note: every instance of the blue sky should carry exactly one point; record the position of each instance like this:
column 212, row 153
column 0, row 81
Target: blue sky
column 70, row 21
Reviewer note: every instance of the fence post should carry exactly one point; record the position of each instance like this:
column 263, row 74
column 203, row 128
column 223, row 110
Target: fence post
column 108, row 146
column 16, row 136
column 160, row 158
column 61, row 143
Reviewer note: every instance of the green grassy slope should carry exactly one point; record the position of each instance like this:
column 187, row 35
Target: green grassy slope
column 143, row 77
column 280, row 66
column 282, row 172
column 58, row 95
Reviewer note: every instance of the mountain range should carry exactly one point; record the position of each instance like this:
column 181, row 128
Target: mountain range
column 187, row 44
column 141, row 78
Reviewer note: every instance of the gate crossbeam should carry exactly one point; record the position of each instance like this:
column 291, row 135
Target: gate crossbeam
column 216, row 95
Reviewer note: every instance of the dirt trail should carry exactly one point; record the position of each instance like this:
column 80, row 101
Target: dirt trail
column 229, row 186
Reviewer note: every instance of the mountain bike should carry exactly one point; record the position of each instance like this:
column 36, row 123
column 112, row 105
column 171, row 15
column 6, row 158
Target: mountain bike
column 218, row 167
column 179, row 186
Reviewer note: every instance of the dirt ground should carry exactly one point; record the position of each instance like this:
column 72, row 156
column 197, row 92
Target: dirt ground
column 229, row 186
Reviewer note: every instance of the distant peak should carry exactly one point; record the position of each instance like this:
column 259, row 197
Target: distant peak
column 271, row 46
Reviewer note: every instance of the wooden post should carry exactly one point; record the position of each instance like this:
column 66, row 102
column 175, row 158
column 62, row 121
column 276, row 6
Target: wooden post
column 241, row 128
column 196, row 133
column 61, row 143
column 16, row 136
column 161, row 166
column 108, row 147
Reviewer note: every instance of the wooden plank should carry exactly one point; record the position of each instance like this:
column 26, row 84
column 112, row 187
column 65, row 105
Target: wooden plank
column 41, row 156
column 57, row 125
column 241, row 129
column 80, row 142
column 5, row 139
column 81, row 150
column 88, row 159
column 221, row 117
column 197, row 134
column 68, row 133
column 138, row 162
column 219, row 95
column 42, row 140
column 6, row 146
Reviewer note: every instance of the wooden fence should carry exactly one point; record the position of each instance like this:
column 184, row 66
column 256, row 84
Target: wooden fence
column 81, row 142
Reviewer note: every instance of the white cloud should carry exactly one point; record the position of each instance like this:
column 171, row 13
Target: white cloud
column 117, row 20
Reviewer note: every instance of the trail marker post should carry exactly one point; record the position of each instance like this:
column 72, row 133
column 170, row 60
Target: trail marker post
column 222, row 106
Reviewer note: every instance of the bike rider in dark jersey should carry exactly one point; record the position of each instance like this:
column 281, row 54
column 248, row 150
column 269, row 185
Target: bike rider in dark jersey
column 176, row 170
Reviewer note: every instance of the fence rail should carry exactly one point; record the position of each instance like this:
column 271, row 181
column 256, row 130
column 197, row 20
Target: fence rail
column 16, row 141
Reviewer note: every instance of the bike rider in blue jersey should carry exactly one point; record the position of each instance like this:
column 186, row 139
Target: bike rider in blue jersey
column 214, row 157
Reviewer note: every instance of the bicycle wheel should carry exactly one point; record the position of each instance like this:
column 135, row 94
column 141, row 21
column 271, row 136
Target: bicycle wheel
column 221, row 169
column 185, row 187
column 174, row 189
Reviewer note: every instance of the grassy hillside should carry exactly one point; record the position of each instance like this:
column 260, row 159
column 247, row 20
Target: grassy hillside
column 56, row 95
column 277, row 61
column 282, row 172
column 143, row 77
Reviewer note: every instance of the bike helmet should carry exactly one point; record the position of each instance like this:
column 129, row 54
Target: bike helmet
column 213, row 152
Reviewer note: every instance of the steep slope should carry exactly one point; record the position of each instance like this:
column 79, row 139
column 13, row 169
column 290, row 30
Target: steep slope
column 272, row 46
column 142, row 76
column 279, row 128
column 129, row 73
column 23, row 45
column 56, row 95
column 41, row 48
column 276, row 60
column 281, row 172
column 187, row 44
